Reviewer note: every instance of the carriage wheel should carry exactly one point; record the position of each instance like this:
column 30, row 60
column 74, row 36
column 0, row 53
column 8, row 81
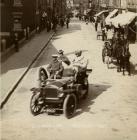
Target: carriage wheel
column 103, row 57
column 69, row 106
column 35, row 107
column 86, row 87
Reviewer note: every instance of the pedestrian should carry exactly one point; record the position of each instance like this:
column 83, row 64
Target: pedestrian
column 101, row 24
column 104, row 34
column 54, row 22
column 62, row 21
column 55, row 68
column 16, row 42
column 96, row 25
column 87, row 19
column 44, row 18
column 48, row 25
column 67, row 22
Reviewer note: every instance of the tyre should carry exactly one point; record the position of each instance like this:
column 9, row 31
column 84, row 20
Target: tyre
column 103, row 56
column 69, row 106
column 42, row 74
column 35, row 107
column 86, row 87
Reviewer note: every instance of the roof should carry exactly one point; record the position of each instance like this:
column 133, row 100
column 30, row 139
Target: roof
column 100, row 13
column 124, row 18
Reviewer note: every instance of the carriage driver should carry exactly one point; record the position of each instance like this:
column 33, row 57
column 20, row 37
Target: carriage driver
column 108, row 46
column 55, row 68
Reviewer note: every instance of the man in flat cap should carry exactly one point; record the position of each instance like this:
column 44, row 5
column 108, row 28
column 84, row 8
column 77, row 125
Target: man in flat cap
column 63, row 58
column 55, row 68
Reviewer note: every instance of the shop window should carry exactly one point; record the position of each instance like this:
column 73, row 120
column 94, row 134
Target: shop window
column 17, row 2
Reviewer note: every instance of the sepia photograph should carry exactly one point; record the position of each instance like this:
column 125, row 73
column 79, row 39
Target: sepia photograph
column 68, row 69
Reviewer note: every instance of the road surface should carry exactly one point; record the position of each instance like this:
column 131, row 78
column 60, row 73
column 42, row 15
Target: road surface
column 109, row 113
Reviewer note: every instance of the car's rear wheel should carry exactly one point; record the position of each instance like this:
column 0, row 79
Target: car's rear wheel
column 35, row 107
column 69, row 106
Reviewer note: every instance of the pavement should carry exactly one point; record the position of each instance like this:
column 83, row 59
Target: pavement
column 16, row 65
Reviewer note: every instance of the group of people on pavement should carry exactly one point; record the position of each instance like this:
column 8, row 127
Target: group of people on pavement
column 78, row 65
column 51, row 23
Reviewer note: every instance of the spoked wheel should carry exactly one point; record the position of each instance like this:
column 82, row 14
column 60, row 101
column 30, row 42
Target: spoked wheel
column 69, row 106
column 35, row 107
column 85, row 87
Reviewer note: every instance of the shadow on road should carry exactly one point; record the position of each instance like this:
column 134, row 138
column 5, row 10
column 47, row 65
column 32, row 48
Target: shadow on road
column 133, row 68
column 95, row 90
column 22, row 62
column 72, row 28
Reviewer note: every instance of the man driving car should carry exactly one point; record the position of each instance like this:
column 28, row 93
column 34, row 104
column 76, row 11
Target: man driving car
column 55, row 68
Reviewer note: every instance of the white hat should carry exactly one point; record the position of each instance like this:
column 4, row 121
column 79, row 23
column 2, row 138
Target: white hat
column 55, row 55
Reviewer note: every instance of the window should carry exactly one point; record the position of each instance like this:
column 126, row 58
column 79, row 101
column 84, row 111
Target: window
column 17, row 2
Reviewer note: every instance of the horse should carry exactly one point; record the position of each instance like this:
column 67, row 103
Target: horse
column 126, row 61
column 123, row 55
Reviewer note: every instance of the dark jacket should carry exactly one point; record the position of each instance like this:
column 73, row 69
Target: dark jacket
column 55, row 66
column 64, row 59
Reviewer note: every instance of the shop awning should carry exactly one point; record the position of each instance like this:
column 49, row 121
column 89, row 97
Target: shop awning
column 124, row 18
column 110, row 16
column 100, row 13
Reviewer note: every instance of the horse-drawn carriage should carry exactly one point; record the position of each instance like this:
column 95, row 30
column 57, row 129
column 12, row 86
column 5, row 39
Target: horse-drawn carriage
column 115, row 51
column 59, row 94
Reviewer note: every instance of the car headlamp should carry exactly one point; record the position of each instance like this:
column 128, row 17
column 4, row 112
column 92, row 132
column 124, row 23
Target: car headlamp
column 60, row 89
column 60, row 92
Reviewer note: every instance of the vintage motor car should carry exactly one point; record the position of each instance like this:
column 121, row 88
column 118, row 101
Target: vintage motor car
column 62, row 94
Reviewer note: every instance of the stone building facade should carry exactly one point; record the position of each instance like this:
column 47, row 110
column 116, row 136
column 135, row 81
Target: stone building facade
column 24, row 16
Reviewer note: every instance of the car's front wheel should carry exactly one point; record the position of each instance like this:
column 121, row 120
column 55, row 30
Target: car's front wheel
column 69, row 106
column 35, row 107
